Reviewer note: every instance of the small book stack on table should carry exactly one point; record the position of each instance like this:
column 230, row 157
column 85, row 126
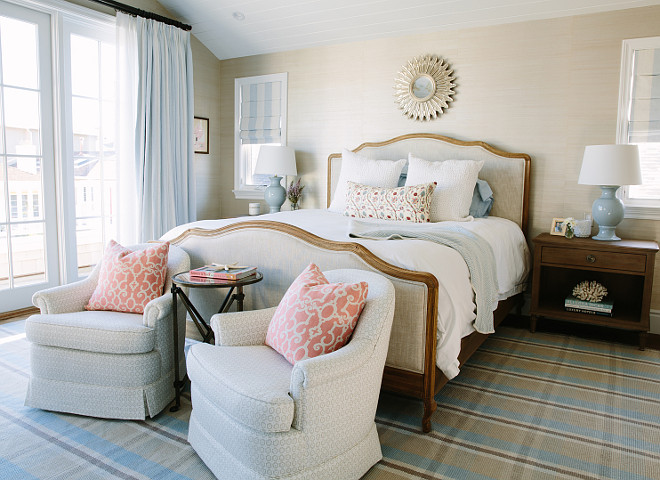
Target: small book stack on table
column 604, row 307
column 223, row 272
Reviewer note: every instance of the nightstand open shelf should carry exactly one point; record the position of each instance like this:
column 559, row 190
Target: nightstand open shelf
column 625, row 268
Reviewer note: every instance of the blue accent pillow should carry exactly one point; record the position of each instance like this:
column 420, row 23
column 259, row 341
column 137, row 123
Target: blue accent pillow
column 402, row 180
column 482, row 200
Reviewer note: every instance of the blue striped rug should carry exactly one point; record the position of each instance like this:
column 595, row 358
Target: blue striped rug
column 526, row 406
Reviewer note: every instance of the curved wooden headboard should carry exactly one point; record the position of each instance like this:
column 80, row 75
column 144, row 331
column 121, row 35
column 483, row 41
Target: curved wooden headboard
column 507, row 173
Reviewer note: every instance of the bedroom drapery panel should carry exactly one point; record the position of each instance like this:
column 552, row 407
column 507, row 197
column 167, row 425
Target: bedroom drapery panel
column 157, row 156
column 644, row 123
column 261, row 113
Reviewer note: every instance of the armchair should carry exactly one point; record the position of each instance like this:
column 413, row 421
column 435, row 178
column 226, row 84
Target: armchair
column 104, row 363
column 256, row 416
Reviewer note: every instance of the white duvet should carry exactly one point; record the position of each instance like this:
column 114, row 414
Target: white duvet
column 456, row 308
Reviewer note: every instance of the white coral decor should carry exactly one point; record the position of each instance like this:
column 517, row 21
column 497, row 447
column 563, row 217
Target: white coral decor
column 590, row 291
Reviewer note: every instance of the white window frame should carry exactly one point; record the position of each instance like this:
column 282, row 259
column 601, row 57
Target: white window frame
column 241, row 189
column 635, row 208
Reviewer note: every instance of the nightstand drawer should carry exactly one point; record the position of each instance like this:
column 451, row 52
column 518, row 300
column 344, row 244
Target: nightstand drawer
column 629, row 262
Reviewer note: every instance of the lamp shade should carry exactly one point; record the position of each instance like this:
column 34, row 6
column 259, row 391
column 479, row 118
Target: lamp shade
column 610, row 165
column 276, row 160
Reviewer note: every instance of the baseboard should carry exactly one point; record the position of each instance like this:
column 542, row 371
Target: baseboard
column 23, row 312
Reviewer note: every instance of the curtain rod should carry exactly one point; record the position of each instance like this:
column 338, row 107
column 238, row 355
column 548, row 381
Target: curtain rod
column 122, row 7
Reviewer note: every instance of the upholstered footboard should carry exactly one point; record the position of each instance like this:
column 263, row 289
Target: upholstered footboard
column 282, row 251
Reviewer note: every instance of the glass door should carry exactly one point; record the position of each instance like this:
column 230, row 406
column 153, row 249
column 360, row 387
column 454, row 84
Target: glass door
column 28, row 232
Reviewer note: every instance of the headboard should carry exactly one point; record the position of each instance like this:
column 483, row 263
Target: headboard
column 507, row 173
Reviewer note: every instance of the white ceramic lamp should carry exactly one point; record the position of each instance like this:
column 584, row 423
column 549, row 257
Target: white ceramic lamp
column 609, row 166
column 275, row 160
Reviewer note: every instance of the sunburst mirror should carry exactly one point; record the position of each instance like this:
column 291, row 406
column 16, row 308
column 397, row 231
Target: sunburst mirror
column 424, row 87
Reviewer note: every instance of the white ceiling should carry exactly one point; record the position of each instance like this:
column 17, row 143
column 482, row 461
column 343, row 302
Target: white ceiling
column 280, row 25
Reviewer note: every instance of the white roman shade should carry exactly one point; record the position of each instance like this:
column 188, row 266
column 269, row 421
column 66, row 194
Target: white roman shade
column 261, row 113
column 644, row 122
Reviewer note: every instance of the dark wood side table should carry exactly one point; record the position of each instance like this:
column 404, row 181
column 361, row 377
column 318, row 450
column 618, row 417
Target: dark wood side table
column 624, row 267
column 184, row 279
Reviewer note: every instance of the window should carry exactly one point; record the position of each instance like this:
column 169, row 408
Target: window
column 35, row 205
column 56, row 75
column 639, row 122
column 24, row 205
column 90, row 95
column 13, row 204
column 259, row 119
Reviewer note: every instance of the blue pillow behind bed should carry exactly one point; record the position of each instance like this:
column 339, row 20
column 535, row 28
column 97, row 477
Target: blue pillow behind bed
column 482, row 200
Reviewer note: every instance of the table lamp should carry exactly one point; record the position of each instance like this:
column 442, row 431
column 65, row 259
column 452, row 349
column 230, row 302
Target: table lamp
column 609, row 166
column 275, row 160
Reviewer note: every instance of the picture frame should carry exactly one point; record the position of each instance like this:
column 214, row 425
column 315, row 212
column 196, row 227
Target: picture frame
column 201, row 135
column 558, row 227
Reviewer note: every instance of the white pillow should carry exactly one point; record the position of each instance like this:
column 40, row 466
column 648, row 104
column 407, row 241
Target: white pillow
column 359, row 169
column 455, row 181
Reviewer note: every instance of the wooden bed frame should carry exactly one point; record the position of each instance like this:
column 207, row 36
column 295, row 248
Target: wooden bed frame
column 241, row 241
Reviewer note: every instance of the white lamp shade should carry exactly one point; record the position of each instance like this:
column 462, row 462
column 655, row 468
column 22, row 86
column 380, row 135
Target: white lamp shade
column 610, row 165
column 276, row 160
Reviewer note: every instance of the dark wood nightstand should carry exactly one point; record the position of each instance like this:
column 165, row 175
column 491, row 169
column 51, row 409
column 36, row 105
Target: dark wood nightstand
column 624, row 267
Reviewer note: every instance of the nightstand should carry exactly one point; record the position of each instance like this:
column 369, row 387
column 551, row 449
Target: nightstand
column 624, row 267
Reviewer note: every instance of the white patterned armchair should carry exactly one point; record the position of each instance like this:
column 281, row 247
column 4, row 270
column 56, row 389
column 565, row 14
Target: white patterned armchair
column 104, row 363
column 256, row 416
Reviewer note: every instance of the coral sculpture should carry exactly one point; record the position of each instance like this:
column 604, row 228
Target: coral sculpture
column 590, row 291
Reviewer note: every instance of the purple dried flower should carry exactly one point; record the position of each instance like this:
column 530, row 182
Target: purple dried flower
column 294, row 191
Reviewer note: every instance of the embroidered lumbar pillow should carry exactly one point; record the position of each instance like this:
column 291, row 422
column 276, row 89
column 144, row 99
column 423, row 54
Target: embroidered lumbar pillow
column 129, row 280
column 315, row 317
column 408, row 204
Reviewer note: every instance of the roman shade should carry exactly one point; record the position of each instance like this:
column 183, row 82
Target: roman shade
column 644, row 120
column 261, row 113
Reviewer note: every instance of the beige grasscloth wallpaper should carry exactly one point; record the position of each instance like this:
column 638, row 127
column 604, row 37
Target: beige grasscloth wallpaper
column 546, row 88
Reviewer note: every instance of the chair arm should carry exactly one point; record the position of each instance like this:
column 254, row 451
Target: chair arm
column 72, row 297
column 337, row 391
column 242, row 328
column 157, row 309
column 327, row 368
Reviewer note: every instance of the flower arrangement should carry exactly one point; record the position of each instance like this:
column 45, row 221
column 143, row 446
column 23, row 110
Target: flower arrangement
column 590, row 291
column 570, row 227
column 294, row 192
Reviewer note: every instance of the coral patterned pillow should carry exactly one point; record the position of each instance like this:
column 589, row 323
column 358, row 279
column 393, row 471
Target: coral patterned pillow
column 409, row 204
column 129, row 280
column 314, row 316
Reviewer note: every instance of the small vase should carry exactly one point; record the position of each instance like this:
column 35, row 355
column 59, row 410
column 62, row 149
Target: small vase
column 295, row 206
column 569, row 232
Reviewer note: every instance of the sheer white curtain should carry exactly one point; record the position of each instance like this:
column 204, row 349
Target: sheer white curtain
column 155, row 117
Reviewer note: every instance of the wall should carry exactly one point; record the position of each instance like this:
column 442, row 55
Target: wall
column 546, row 88
column 206, row 71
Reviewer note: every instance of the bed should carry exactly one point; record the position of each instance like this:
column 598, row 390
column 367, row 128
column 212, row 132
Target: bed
column 433, row 331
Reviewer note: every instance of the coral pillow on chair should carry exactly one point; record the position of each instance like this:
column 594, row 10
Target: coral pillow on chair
column 129, row 280
column 314, row 316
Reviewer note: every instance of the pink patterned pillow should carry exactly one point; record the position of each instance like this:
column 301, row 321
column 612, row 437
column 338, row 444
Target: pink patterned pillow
column 409, row 204
column 314, row 316
column 129, row 280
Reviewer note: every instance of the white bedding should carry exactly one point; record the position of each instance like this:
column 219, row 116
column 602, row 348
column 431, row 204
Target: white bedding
column 455, row 298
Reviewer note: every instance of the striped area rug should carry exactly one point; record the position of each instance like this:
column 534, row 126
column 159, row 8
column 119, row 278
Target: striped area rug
column 526, row 406
column 533, row 406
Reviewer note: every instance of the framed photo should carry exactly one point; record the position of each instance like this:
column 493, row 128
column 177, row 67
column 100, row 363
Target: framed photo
column 201, row 134
column 558, row 227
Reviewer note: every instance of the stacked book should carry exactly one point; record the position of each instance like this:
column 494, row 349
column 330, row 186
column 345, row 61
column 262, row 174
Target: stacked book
column 223, row 272
column 604, row 307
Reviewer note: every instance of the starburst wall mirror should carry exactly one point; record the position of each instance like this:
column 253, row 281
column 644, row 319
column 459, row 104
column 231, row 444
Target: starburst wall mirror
column 424, row 87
